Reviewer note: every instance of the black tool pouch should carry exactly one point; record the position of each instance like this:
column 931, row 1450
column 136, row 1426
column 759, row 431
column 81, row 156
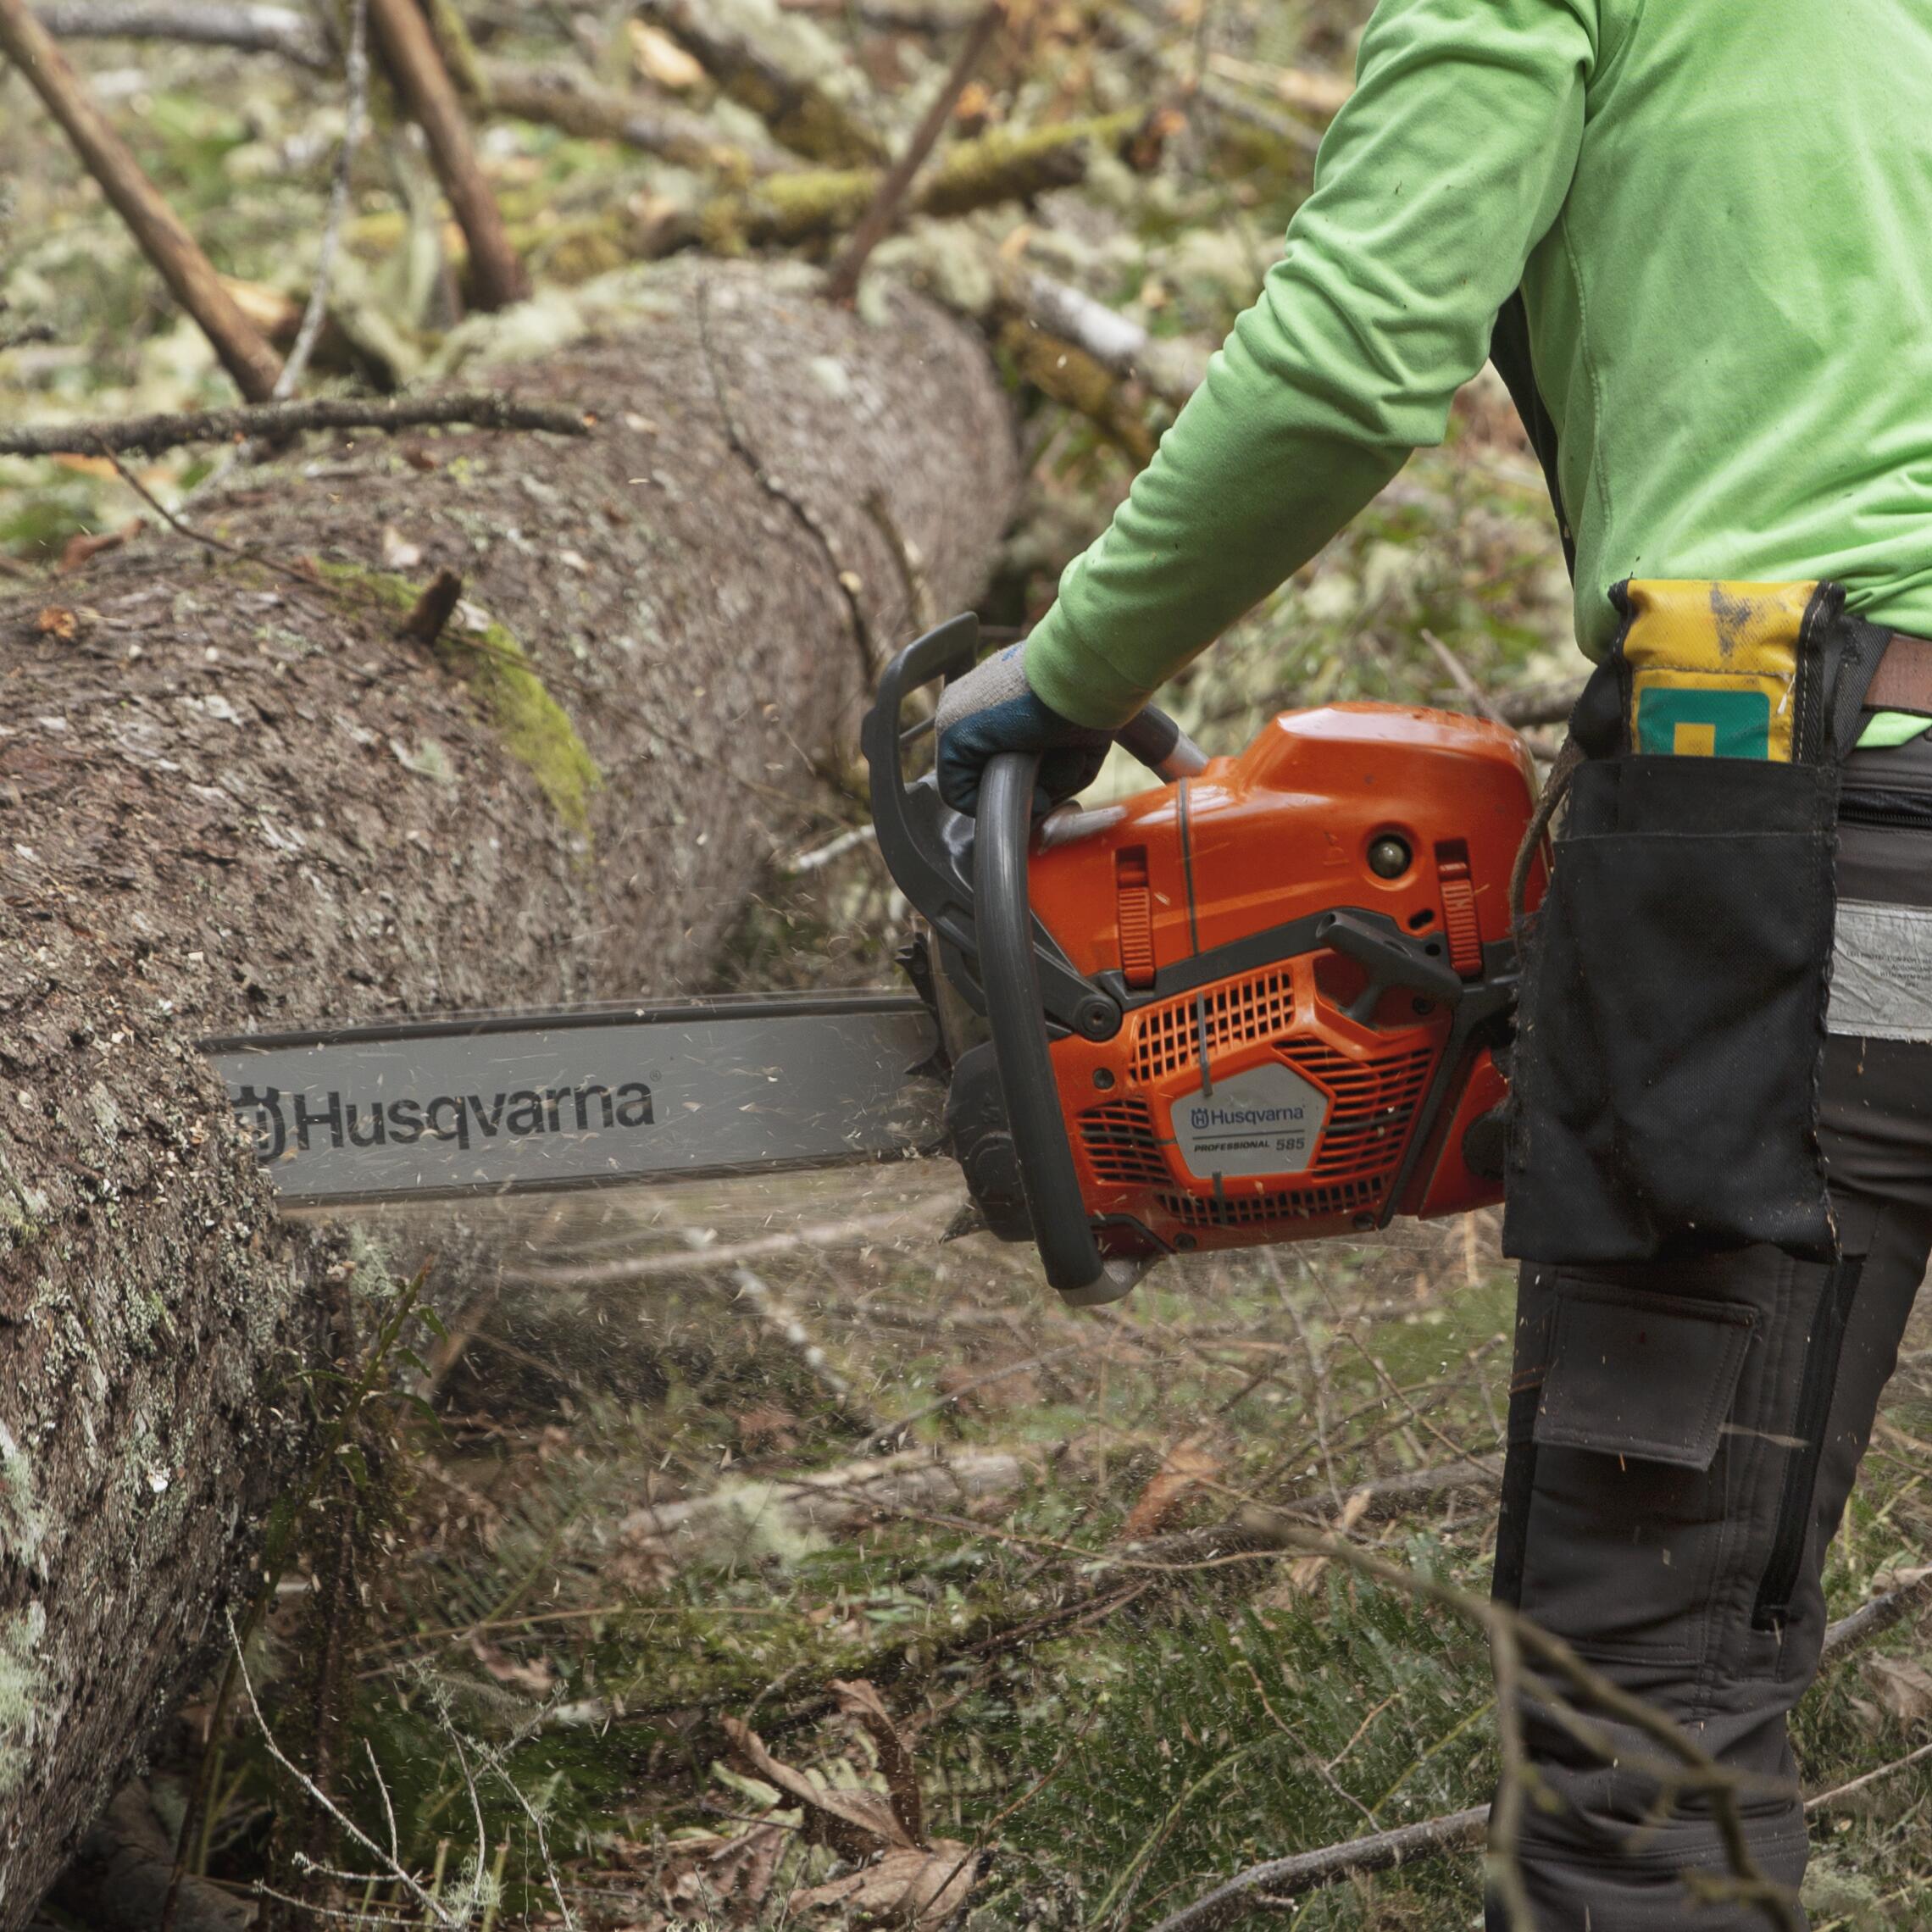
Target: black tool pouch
column 1671, row 1033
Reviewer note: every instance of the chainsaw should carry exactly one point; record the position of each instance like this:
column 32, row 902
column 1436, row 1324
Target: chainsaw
column 1268, row 999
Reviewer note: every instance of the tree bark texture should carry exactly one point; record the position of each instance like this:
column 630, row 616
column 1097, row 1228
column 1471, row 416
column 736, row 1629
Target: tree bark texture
column 235, row 797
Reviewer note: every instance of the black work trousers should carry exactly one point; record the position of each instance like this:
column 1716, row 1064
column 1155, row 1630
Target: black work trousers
column 1683, row 1438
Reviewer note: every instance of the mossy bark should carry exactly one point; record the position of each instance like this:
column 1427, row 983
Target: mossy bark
column 237, row 797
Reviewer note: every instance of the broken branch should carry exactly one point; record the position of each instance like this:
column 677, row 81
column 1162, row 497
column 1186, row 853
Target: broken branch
column 559, row 97
column 1171, row 369
column 1002, row 166
column 279, row 31
column 166, row 243
column 878, row 219
column 409, row 50
column 151, row 433
column 1380, row 1851
column 801, row 113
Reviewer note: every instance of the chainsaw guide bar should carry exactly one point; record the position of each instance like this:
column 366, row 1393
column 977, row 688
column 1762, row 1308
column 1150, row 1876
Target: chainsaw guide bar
column 586, row 1096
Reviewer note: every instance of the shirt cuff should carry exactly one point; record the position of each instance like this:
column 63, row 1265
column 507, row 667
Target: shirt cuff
column 1070, row 675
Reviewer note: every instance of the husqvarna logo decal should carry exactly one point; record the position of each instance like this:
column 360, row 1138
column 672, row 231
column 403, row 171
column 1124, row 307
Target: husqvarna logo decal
column 1266, row 1121
column 284, row 1125
column 1206, row 1119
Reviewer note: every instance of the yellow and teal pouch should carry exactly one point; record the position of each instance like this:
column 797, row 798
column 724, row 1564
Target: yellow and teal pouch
column 1671, row 1026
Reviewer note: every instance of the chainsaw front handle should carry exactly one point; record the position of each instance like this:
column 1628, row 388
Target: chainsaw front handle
column 1010, row 977
column 967, row 878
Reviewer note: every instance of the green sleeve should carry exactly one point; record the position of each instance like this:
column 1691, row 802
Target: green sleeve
column 1439, row 175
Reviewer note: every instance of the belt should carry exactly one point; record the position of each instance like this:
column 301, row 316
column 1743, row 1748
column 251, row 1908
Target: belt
column 1903, row 680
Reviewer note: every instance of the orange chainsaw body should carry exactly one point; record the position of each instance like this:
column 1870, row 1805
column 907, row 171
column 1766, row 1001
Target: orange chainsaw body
column 1269, row 1098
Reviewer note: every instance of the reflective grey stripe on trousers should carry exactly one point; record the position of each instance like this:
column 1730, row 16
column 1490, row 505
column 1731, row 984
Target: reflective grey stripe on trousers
column 1683, row 1438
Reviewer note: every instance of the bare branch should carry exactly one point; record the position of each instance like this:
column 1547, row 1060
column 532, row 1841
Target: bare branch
column 1171, row 370
column 564, row 98
column 163, row 240
column 1826, row 1800
column 877, row 222
column 409, row 52
column 1871, row 1619
column 1472, row 693
column 1380, row 1851
column 802, row 114
column 280, row 31
column 154, row 433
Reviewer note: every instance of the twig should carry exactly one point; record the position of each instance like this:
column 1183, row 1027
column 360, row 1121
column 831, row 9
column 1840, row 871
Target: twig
column 1825, row 1799
column 1460, row 1830
column 821, row 856
column 151, row 433
column 355, row 70
column 166, row 243
column 409, row 50
column 280, row 31
column 807, row 118
column 1539, row 704
column 1380, row 1851
column 397, row 1874
column 1502, row 1864
column 1870, row 1619
column 842, row 284
column 1459, row 676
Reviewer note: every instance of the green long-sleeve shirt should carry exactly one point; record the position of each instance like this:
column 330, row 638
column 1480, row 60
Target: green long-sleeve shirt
column 1720, row 215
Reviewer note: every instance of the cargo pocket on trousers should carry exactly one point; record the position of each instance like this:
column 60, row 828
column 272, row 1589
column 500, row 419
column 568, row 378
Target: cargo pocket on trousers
column 1672, row 1028
column 1628, row 1507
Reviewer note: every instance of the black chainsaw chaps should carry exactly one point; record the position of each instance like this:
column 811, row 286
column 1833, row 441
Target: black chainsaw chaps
column 1672, row 1027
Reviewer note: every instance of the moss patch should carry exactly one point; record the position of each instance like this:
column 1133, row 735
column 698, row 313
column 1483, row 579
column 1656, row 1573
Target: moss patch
column 536, row 729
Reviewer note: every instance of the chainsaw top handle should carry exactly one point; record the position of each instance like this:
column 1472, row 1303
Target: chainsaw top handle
column 968, row 878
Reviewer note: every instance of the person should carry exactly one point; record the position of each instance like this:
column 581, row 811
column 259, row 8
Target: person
column 1693, row 236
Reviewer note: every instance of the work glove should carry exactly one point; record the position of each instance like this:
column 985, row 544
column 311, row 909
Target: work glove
column 993, row 709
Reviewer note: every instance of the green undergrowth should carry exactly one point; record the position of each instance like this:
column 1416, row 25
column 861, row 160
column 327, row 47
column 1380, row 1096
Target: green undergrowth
column 1205, row 1740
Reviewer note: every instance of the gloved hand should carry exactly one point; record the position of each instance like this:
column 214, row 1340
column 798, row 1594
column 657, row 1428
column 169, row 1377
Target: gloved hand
column 993, row 709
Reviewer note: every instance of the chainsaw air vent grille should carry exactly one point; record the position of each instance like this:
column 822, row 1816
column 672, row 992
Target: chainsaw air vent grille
column 1256, row 1008
column 1122, row 1147
column 1375, row 1102
column 1296, row 1204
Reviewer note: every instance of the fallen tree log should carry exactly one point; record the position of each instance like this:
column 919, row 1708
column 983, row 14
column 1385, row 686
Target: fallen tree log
column 237, row 797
